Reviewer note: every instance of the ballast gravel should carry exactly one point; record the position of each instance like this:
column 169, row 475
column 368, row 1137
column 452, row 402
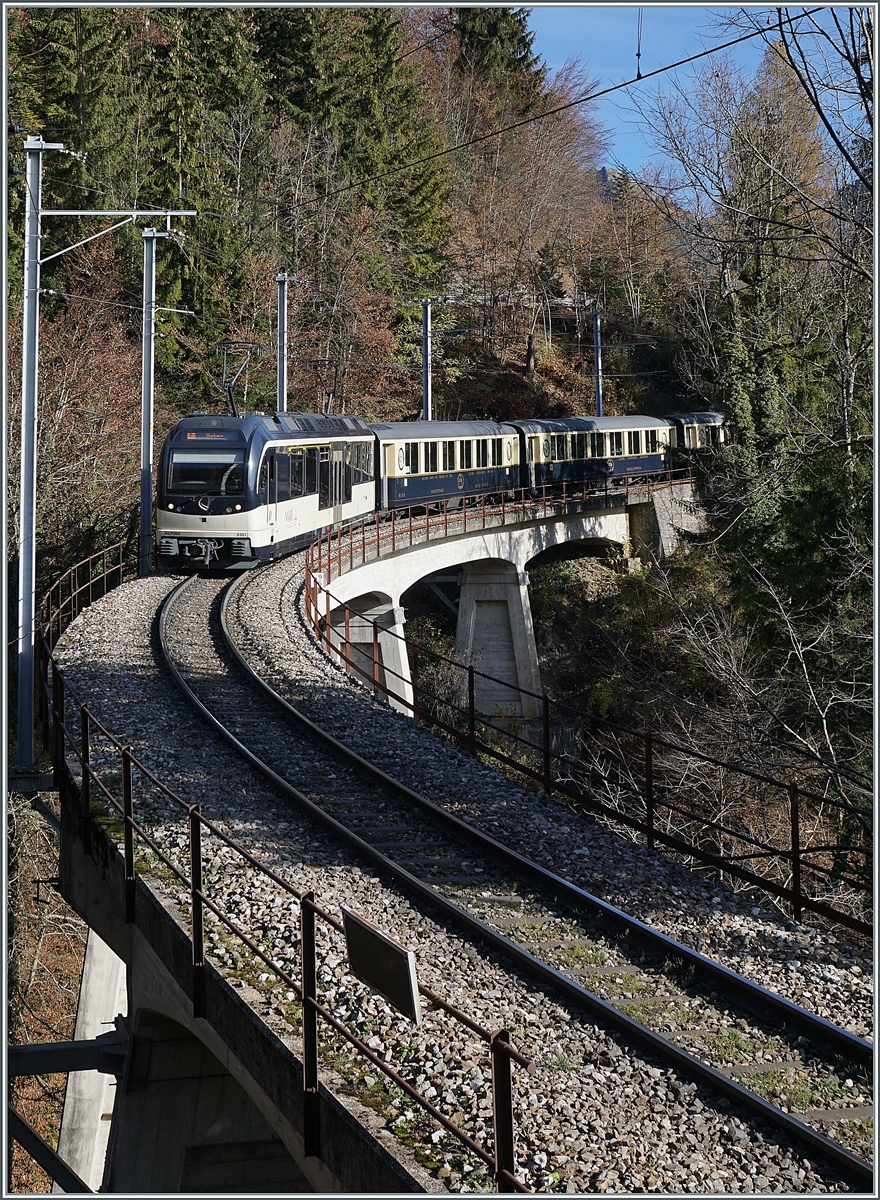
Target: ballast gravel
column 595, row 1115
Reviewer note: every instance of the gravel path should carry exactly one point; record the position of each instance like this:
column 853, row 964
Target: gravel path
column 595, row 1116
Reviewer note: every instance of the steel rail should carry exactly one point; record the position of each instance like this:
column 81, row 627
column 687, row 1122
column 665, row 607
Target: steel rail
column 854, row 1168
column 766, row 1001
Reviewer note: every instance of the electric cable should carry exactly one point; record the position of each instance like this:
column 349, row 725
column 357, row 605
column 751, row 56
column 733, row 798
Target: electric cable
column 551, row 112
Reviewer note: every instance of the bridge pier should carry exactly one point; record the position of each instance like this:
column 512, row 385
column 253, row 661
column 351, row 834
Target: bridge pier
column 389, row 645
column 495, row 633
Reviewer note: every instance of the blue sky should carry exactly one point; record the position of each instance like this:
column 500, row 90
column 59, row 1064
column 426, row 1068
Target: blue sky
column 605, row 37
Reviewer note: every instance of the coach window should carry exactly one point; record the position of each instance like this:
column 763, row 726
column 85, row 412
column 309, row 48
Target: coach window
column 578, row 445
column 650, row 441
column 615, row 442
column 282, row 476
column 497, row 452
column 430, row 457
column 560, row 449
column 324, row 477
column 449, row 456
column 482, row 452
column 310, row 457
column 597, row 445
column 466, row 455
column 296, row 473
column 634, row 442
column 411, row 458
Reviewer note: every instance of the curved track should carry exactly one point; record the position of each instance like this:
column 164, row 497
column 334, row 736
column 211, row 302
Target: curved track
column 556, row 932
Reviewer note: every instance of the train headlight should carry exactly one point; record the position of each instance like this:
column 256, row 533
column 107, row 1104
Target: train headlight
column 238, row 508
column 170, row 506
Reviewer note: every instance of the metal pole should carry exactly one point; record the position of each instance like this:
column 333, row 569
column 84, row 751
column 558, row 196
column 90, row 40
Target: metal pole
column 27, row 558
column 85, row 786
column 281, row 280
column 198, row 919
column 128, row 835
column 649, row 788
column 597, row 361
column 311, row 1103
column 426, row 360
column 545, row 731
column 147, row 349
column 502, row 1112
column 797, row 906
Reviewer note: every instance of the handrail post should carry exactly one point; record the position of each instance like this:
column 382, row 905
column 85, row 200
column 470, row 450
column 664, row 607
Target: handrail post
column 347, row 640
column 502, row 1110
column 85, row 784
column 472, row 732
column 327, row 616
column 311, row 1109
column 198, row 915
column 446, row 516
column 375, row 659
column 128, row 835
column 649, row 788
column 43, row 676
column 57, row 726
column 414, row 677
column 797, row 908
column 545, row 730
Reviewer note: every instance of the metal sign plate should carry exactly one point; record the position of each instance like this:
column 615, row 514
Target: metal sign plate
column 382, row 963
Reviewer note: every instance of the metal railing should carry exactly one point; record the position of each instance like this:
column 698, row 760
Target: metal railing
column 81, row 585
column 67, row 744
column 799, row 869
column 367, row 538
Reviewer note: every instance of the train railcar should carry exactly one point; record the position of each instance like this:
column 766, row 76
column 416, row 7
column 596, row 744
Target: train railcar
column 593, row 449
column 428, row 461
column 698, row 431
column 233, row 492
column 236, row 491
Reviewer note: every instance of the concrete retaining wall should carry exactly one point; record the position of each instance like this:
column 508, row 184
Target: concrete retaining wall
column 248, row 1071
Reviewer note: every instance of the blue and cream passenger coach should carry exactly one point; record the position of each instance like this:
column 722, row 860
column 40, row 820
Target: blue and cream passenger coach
column 423, row 461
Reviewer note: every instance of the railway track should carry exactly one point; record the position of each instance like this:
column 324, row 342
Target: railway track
column 712, row 1024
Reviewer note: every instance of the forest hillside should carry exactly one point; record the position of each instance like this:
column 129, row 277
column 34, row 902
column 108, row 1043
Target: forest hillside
column 356, row 150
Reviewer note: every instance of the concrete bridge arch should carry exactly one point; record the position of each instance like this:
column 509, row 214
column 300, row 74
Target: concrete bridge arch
column 495, row 631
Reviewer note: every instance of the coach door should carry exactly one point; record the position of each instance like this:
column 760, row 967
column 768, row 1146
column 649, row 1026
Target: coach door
column 268, row 487
column 340, row 492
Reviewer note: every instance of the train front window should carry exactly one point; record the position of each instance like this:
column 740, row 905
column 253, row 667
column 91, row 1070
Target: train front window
column 216, row 474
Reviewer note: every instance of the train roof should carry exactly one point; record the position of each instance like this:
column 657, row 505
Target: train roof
column 398, row 431
column 222, row 427
column 586, row 424
column 699, row 418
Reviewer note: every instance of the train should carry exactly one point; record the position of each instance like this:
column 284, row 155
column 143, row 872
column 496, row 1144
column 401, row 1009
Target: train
column 233, row 492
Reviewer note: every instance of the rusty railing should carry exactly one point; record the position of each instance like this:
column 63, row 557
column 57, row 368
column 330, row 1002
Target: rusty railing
column 798, row 869
column 68, row 744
